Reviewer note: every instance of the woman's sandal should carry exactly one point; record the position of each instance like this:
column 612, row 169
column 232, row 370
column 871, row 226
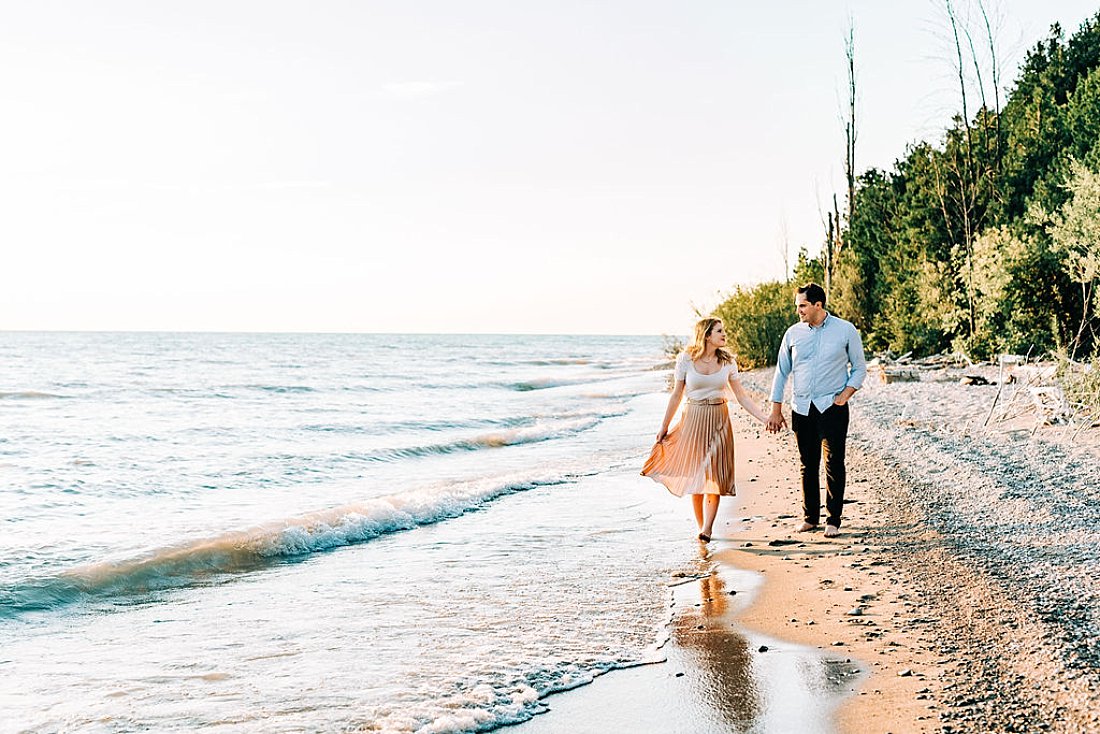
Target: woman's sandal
column 704, row 537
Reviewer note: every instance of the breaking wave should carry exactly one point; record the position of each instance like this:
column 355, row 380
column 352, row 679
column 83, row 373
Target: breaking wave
column 235, row 552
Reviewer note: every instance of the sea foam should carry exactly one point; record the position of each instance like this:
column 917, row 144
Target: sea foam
column 196, row 562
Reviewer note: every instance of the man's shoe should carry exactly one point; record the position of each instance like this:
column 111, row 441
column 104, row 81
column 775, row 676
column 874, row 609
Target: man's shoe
column 831, row 531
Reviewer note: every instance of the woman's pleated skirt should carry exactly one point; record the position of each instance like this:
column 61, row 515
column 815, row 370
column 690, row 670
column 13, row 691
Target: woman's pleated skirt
column 696, row 456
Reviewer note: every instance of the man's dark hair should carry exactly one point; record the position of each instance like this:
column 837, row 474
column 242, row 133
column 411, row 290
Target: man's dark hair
column 813, row 292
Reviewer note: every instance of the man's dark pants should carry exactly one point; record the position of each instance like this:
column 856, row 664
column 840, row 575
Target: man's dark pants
column 814, row 431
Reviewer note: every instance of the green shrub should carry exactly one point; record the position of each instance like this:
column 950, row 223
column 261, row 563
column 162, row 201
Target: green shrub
column 1080, row 383
column 671, row 346
column 756, row 319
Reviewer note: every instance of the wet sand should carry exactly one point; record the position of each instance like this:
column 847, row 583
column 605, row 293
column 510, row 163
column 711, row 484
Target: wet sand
column 762, row 641
column 960, row 589
column 713, row 674
column 836, row 594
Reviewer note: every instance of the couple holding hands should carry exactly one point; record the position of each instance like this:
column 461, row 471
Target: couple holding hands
column 822, row 355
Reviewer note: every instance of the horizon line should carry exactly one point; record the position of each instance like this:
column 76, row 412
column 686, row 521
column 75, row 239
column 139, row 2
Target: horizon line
column 331, row 333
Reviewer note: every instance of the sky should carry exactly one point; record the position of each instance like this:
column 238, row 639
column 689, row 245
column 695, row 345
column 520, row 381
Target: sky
column 473, row 166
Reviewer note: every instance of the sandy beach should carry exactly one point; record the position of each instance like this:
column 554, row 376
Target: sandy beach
column 961, row 596
column 958, row 597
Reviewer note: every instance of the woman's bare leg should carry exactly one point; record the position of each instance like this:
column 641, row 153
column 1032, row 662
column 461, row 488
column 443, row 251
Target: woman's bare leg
column 710, row 511
column 697, row 505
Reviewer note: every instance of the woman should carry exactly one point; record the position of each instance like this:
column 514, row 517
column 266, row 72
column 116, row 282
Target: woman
column 696, row 456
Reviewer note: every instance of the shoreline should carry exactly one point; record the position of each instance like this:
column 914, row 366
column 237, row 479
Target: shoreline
column 832, row 594
column 922, row 591
column 751, row 614
column 709, row 672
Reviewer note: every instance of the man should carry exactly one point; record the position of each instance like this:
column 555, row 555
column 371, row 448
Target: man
column 823, row 356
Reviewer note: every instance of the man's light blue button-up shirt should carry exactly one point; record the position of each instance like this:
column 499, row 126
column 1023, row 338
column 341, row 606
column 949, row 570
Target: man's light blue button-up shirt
column 816, row 358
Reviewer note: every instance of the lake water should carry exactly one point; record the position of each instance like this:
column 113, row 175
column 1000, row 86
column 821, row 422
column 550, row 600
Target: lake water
column 276, row 533
column 322, row 532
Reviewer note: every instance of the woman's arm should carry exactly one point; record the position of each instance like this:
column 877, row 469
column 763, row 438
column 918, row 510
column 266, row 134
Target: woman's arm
column 673, row 404
column 783, row 367
column 746, row 403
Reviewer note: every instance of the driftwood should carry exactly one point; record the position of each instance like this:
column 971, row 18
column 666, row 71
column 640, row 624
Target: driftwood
column 890, row 373
column 934, row 361
column 889, row 368
column 1024, row 386
column 1038, row 389
column 1050, row 404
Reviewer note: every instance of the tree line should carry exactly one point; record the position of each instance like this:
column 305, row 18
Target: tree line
column 986, row 241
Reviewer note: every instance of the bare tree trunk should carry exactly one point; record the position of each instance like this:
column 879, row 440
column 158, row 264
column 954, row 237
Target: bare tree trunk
column 850, row 123
column 1086, row 300
column 995, row 69
column 967, row 172
column 982, row 118
column 784, row 246
column 941, row 195
column 987, row 176
column 838, row 239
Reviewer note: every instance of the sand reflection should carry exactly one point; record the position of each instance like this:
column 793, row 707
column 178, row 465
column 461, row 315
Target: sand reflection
column 721, row 656
column 783, row 688
column 714, row 677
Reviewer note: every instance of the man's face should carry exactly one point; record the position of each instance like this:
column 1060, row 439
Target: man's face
column 808, row 313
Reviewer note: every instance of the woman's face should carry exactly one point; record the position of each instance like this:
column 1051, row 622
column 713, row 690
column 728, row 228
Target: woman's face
column 717, row 336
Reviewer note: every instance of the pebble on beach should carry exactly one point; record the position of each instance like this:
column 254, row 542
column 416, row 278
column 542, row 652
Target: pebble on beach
column 990, row 529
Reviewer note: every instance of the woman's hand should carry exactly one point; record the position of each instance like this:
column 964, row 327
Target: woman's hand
column 673, row 404
column 775, row 422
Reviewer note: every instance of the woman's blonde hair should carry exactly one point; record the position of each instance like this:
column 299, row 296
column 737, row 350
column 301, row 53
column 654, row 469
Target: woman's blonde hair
column 703, row 328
